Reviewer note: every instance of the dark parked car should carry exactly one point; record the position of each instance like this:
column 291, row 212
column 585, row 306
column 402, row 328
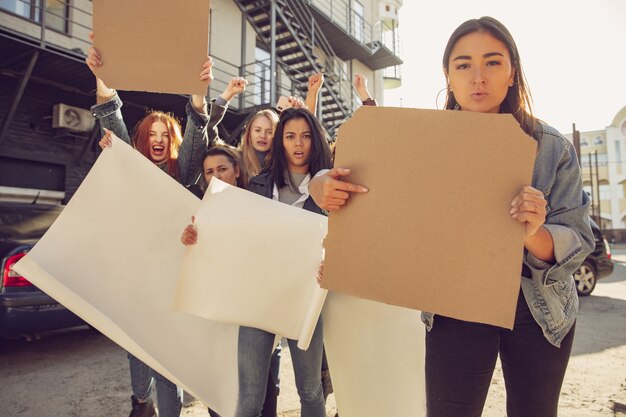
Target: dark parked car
column 25, row 310
column 597, row 265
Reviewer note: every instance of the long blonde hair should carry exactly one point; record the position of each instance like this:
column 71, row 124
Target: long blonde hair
column 250, row 161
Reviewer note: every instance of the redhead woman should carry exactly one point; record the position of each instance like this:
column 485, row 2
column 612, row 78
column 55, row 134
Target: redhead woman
column 159, row 138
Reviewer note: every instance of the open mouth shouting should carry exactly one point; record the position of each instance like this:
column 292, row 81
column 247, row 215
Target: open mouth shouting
column 157, row 151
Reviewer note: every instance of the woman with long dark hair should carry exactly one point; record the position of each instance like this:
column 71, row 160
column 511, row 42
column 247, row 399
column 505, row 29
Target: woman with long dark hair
column 484, row 74
column 299, row 150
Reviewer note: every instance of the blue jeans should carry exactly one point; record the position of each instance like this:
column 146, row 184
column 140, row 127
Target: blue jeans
column 254, row 356
column 273, row 387
column 142, row 378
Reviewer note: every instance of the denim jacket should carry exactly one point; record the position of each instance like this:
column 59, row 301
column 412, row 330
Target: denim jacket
column 549, row 288
column 200, row 133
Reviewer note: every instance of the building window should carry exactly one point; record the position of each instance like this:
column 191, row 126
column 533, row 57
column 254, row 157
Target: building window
column 598, row 140
column 262, row 77
column 605, row 192
column 358, row 21
column 19, row 7
column 584, row 142
column 618, row 152
column 57, row 15
column 57, row 11
column 590, row 160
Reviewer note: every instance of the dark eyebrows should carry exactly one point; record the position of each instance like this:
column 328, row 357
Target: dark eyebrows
column 217, row 167
column 487, row 55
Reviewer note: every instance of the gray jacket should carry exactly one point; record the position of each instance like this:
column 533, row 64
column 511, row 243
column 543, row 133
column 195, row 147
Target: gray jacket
column 200, row 133
column 549, row 288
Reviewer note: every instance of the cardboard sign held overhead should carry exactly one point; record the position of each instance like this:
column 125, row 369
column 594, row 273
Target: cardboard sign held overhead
column 433, row 233
column 156, row 45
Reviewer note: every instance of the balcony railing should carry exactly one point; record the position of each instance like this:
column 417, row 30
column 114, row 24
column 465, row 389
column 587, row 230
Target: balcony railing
column 341, row 13
column 71, row 22
column 258, row 90
column 345, row 16
column 52, row 18
column 65, row 25
column 389, row 35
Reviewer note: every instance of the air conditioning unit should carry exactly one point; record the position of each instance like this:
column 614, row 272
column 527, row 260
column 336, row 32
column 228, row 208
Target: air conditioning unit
column 72, row 118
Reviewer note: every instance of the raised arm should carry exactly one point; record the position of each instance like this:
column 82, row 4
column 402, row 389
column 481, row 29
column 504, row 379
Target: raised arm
column 316, row 81
column 236, row 86
column 360, row 84
column 195, row 139
column 108, row 104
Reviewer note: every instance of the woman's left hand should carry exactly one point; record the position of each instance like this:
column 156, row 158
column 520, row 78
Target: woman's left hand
column 529, row 207
column 316, row 81
column 320, row 273
column 206, row 75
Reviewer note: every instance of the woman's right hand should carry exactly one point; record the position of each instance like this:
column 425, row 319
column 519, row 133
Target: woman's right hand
column 329, row 192
column 316, row 81
column 360, row 84
column 190, row 234
column 236, row 85
column 297, row 103
column 106, row 141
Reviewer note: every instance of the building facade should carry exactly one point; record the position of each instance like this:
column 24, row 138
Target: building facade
column 274, row 44
column 603, row 164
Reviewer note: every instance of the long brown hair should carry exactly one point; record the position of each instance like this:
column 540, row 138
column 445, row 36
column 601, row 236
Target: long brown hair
column 518, row 100
column 250, row 160
column 141, row 138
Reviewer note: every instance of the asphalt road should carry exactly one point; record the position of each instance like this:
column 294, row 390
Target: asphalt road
column 81, row 373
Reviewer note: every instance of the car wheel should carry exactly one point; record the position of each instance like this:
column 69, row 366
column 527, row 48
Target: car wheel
column 585, row 278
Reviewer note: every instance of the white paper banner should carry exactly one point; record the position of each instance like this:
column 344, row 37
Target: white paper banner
column 255, row 263
column 375, row 356
column 113, row 257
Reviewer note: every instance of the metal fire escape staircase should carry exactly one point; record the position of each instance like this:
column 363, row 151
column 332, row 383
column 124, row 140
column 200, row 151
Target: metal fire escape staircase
column 301, row 49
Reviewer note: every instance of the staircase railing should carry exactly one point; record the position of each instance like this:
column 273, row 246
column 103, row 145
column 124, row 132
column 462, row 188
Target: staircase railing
column 332, row 67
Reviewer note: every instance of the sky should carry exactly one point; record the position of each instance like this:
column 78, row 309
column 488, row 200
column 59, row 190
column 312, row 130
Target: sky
column 573, row 53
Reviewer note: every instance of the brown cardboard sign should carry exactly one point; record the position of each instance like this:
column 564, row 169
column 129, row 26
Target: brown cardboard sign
column 433, row 233
column 152, row 45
